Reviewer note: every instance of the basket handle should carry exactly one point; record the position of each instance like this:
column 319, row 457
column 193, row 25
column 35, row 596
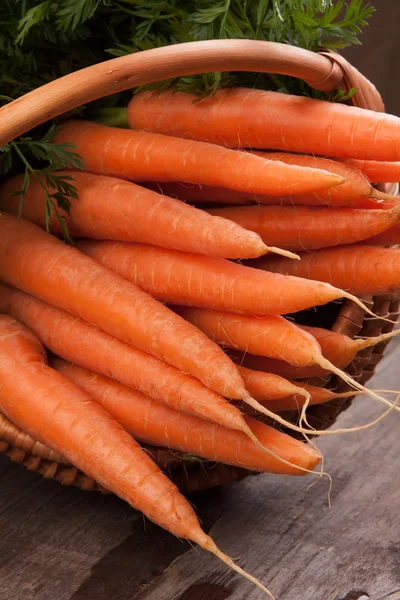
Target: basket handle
column 109, row 77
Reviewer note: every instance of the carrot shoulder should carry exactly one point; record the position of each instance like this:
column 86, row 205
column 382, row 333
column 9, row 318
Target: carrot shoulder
column 153, row 423
column 113, row 209
column 250, row 118
column 143, row 156
column 77, row 341
column 40, row 264
column 189, row 279
column 46, row 405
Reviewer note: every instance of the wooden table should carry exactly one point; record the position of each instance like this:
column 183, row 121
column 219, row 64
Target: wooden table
column 64, row 544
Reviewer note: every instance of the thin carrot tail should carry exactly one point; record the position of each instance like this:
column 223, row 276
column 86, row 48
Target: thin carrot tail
column 276, row 417
column 326, row 364
column 286, row 253
column 372, row 341
column 364, row 307
column 205, row 542
column 303, row 414
column 392, row 406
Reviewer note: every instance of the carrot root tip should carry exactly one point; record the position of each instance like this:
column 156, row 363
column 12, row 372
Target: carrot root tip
column 228, row 561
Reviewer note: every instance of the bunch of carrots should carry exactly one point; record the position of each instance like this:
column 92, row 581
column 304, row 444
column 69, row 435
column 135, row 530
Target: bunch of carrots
column 197, row 231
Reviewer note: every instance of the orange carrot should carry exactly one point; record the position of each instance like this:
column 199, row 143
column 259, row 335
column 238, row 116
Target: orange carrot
column 114, row 209
column 48, row 406
column 339, row 349
column 318, row 395
column 191, row 279
column 354, row 190
column 272, row 336
column 87, row 345
column 200, row 195
column 143, row 156
column 310, row 227
column 266, row 387
column 376, row 171
column 250, row 118
column 359, row 268
column 276, row 366
column 159, row 425
column 40, row 264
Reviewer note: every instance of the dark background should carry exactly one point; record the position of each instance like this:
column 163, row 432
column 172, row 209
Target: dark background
column 378, row 58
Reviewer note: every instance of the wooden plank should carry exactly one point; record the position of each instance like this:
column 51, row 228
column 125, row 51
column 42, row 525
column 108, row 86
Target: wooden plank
column 70, row 545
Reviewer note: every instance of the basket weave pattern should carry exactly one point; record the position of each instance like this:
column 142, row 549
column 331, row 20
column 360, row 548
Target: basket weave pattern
column 323, row 71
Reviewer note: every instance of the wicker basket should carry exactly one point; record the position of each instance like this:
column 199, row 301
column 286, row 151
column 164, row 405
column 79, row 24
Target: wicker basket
column 323, row 71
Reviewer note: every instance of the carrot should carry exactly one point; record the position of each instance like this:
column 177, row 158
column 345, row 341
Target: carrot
column 339, row 349
column 276, row 366
column 354, row 190
column 113, row 209
column 317, row 395
column 87, row 345
column 143, row 156
column 200, row 195
column 361, row 269
column 310, row 228
column 274, row 337
column 376, row 171
column 40, row 264
column 250, row 118
column 46, row 404
column 190, row 279
column 266, row 387
column 156, row 424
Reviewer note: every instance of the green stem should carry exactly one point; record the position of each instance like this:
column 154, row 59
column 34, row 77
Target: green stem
column 22, row 157
column 114, row 117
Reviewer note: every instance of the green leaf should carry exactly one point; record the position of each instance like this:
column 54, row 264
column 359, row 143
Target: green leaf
column 72, row 13
column 33, row 17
